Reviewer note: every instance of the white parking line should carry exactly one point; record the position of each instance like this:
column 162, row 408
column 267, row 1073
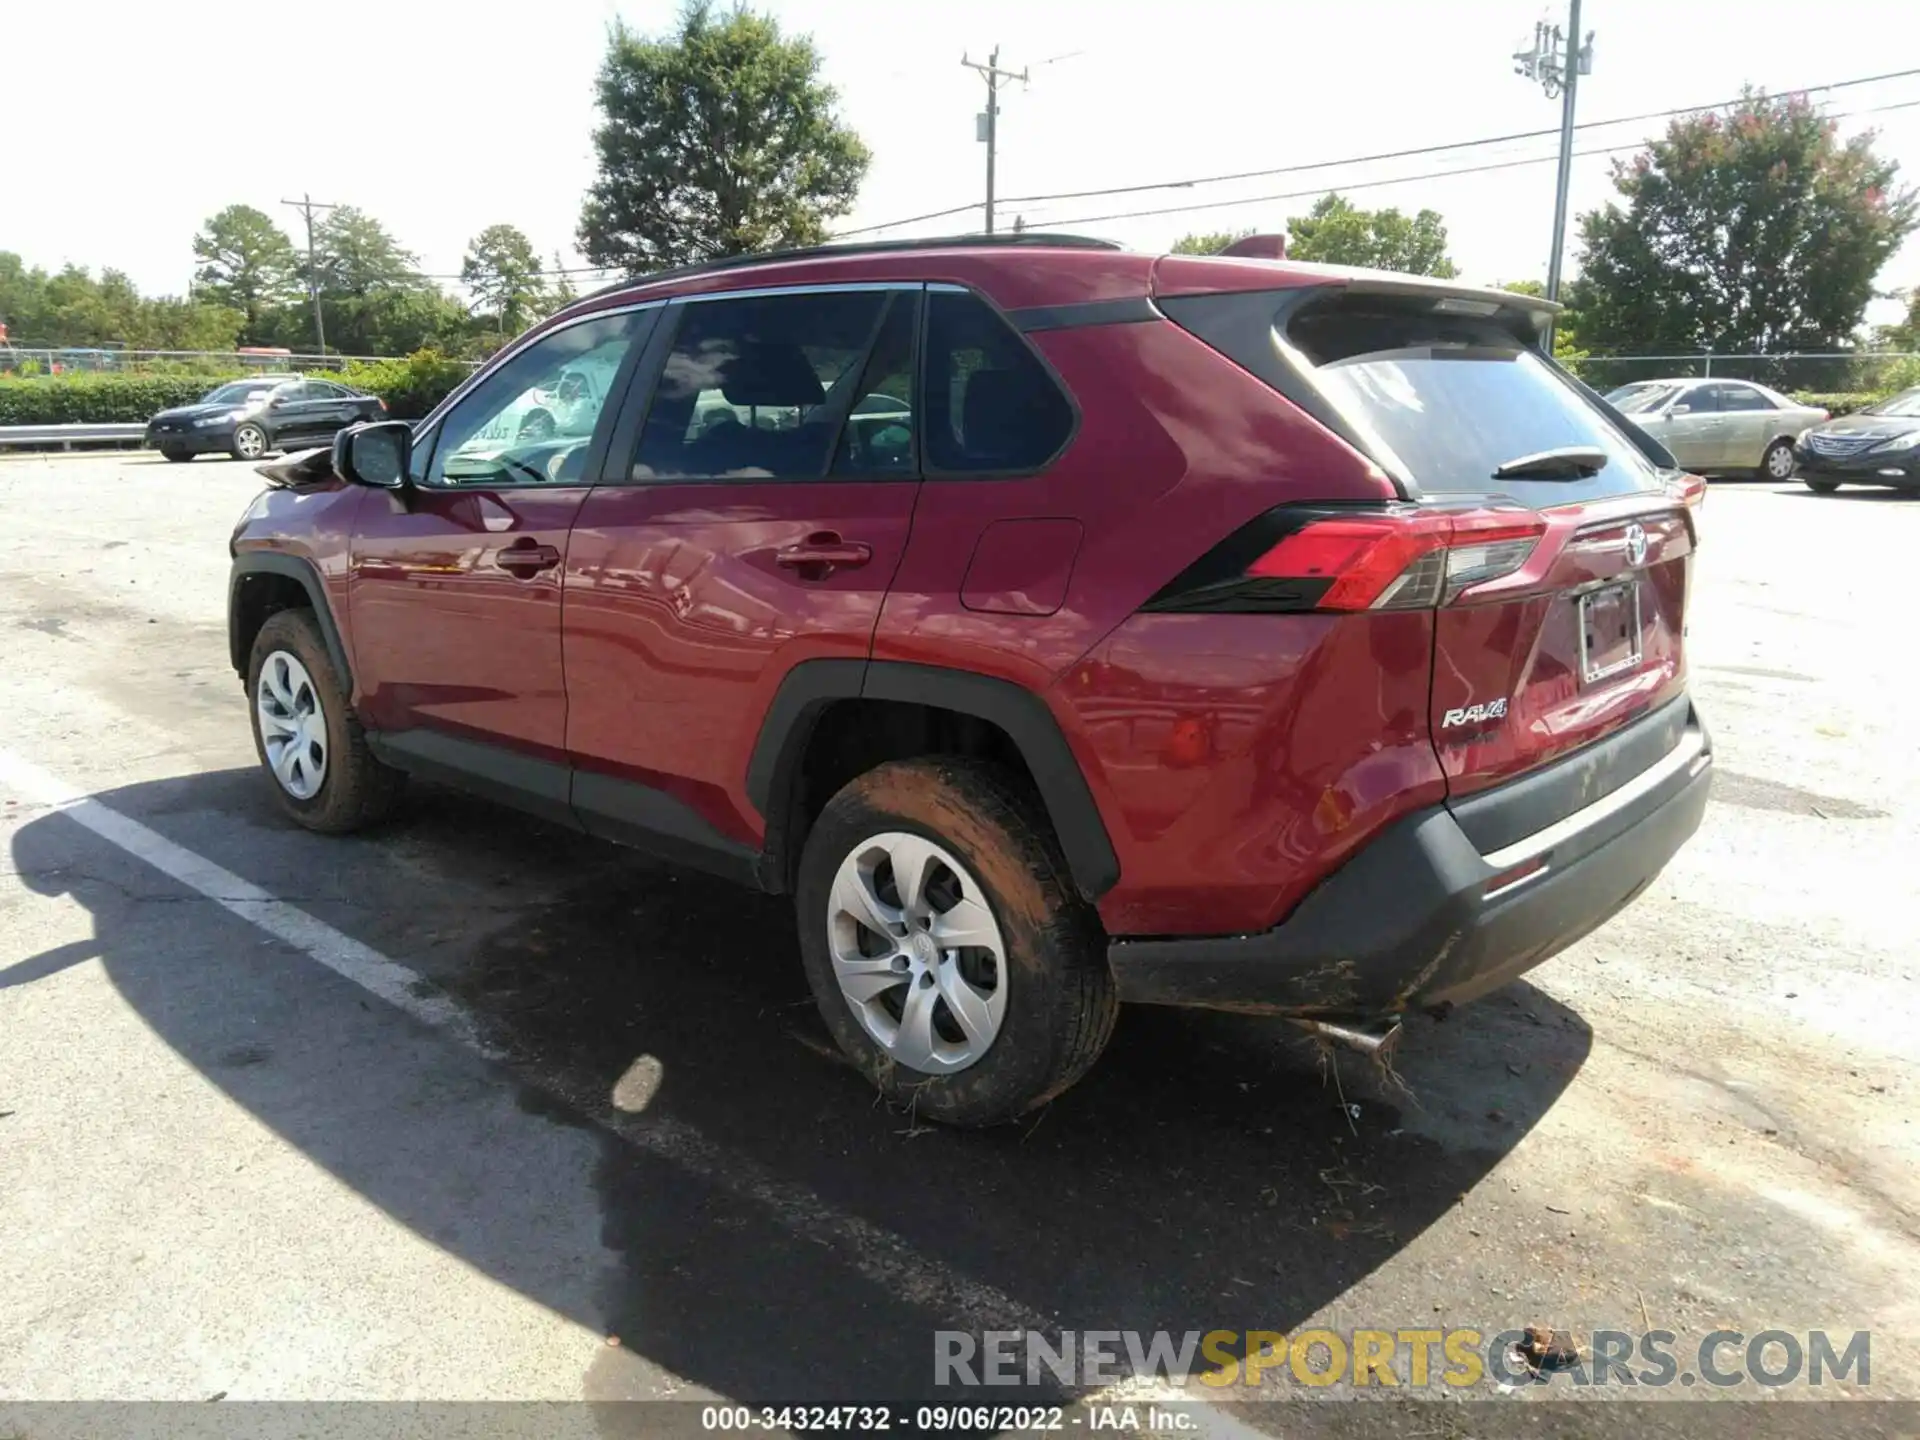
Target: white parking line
column 872, row 1251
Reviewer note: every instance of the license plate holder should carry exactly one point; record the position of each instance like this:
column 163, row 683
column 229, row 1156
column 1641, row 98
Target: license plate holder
column 1609, row 622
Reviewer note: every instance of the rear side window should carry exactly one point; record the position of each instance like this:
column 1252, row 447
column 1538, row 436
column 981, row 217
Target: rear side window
column 1454, row 397
column 991, row 406
column 755, row 388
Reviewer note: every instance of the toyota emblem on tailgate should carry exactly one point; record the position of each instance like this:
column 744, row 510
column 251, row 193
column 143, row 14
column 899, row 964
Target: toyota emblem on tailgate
column 1636, row 544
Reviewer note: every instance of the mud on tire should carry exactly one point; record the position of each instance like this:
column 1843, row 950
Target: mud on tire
column 1059, row 1004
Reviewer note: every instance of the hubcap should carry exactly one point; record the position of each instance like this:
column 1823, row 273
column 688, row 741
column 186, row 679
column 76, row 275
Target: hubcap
column 249, row 441
column 917, row 952
column 293, row 727
column 1780, row 463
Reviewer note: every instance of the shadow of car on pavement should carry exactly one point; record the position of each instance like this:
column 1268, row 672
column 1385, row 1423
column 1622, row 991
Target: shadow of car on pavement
column 1212, row 1172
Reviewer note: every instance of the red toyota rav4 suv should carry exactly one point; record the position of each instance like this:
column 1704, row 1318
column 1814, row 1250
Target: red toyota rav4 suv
column 1058, row 625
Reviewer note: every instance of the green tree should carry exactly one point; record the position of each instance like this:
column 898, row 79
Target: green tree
column 503, row 275
column 1338, row 232
column 717, row 139
column 1208, row 242
column 246, row 264
column 561, row 293
column 355, row 255
column 1756, row 230
column 1567, row 348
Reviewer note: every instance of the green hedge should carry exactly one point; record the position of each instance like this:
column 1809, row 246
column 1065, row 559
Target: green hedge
column 96, row 399
column 411, row 387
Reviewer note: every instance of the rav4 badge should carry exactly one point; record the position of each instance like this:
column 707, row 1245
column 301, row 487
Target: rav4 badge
column 1475, row 714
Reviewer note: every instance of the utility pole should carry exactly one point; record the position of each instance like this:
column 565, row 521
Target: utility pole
column 986, row 125
column 1556, row 62
column 306, row 206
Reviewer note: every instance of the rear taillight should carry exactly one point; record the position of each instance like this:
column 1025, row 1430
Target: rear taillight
column 1297, row 558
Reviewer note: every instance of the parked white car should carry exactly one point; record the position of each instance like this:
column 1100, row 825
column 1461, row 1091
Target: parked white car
column 1720, row 426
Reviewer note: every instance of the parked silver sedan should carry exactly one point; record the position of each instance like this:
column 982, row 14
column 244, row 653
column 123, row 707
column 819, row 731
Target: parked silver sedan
column 1720, row 426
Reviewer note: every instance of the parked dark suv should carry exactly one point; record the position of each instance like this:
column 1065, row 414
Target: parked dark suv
column 1058, row 625
column 247, row 418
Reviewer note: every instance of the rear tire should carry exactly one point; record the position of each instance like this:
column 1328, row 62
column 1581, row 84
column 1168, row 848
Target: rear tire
column 1777, row 462
column 1042, row 961
column 1823, row 487
column 249, row 441
column 299, row 702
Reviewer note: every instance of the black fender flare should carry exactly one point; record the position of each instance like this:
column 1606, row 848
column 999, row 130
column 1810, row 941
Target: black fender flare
column 292, row 567
column 811, row 686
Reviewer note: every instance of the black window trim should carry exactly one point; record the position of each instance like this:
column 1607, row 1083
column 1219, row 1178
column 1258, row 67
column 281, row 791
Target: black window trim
column 935, row 472
column 429, row 431
column 644, row 384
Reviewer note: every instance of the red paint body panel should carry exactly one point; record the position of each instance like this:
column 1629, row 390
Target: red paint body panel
column 1518, row 639
column 681, row 624
column 1243, row 757
column 448, row 638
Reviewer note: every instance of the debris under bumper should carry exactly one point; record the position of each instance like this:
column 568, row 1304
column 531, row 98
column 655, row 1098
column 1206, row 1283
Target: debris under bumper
column 1422, row 917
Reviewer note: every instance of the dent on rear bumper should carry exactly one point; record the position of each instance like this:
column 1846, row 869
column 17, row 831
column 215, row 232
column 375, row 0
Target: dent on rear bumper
column 1407, row 924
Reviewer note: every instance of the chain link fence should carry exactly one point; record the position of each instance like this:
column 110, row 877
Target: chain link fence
column 115, row 360
column 1827, row 373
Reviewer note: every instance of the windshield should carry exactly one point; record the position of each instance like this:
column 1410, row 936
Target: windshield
column 1641, row 399
column 1907, row 403
column 240, row 392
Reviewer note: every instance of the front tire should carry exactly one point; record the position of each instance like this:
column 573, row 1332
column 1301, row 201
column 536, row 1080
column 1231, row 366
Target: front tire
column 947, row 950
column 1777, row 462
column 1823, row 487
column 176, row 454
column 249, row 441
column 305, row 732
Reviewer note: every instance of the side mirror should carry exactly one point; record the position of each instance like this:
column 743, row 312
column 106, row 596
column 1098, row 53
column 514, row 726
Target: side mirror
column 1679, row 409
column 375, row 454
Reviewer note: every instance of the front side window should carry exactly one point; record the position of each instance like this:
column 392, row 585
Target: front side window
column 755, row 388
column 531, row 420
column 991, row 405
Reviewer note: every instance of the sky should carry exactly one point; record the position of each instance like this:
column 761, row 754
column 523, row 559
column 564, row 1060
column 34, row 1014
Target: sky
column 441, row 117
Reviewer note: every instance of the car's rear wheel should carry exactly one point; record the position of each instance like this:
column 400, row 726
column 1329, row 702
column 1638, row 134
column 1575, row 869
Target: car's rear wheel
column 175, row 453
column 1777, row 463
column 947, row 950
column 1823, row 487
column 249, row 441
column 306, row 734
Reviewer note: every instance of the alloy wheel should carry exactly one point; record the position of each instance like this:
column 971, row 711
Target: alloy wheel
column 250, row 442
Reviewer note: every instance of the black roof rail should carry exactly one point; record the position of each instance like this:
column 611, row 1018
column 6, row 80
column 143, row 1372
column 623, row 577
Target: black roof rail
column 1036, row 238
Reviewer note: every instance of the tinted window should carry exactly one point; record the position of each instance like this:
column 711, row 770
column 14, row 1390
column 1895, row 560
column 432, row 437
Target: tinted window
column 530, row 420
column 320, row 390
column 241, row 392
column 990, row 404
column 288, row 393
column 878, row 436
column 1455, row 397
column 1742, row 397
column 755, row 388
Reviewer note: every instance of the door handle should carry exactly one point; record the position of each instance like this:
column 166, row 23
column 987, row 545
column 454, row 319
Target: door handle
column 526, row 558
column 821, row 552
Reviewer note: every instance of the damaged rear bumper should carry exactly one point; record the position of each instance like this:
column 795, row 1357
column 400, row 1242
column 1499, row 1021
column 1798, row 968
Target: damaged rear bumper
column 1422, row 917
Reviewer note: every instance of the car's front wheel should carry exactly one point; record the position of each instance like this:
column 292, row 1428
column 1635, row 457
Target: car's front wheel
column 947, row 950
column 1778, row 462
column 249, row 441
column 306, row 734
column 175, row 453
column 1823, row 487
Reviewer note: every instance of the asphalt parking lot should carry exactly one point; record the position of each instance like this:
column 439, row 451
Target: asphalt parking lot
column 435, row 1112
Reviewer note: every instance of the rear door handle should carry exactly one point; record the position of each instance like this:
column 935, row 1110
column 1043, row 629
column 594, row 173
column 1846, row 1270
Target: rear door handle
column 526, row 558
column 822, row 552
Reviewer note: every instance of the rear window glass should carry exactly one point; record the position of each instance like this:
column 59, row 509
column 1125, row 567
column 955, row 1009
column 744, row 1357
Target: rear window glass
column 1453, row 398
column 991, row 405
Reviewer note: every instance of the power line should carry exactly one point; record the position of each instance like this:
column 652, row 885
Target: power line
column 1406, row 154
column 1407, row 179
